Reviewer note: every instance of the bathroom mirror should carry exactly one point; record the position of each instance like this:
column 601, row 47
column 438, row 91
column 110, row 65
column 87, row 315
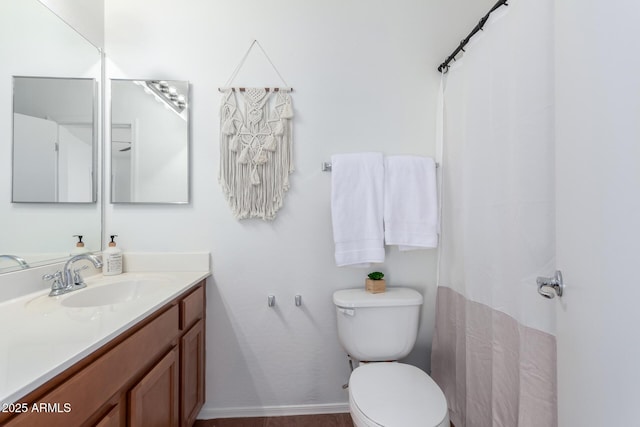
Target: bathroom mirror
column 36, row 42
column 149, row 141
column 53, row 140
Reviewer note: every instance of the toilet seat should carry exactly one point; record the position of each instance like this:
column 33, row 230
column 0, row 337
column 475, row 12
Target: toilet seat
column 394, row 394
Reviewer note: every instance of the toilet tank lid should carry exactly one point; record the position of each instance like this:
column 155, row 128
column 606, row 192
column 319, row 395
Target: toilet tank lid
column 392, row 297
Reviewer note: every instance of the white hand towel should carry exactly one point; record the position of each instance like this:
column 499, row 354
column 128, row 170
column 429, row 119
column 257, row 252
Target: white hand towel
column 410, row 202
column 357, row 182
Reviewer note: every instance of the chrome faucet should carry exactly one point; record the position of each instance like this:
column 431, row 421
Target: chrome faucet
column 72, row 277
column 69, row 279
column 20, row 261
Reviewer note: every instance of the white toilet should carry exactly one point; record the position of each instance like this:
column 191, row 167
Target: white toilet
column 383, row 328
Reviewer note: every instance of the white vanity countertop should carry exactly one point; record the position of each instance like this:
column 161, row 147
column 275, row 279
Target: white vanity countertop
column 41, row 338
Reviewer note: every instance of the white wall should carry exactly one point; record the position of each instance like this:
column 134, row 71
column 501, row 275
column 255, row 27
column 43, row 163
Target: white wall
column 364, row 79
column 597, row 136
column 34, row 158
column 75, row 159
column 85, row 16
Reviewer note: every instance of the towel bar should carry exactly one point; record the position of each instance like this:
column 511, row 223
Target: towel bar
column 326, row 166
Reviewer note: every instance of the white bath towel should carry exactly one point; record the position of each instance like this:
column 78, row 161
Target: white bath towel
column 357, row 182
column 410, row 202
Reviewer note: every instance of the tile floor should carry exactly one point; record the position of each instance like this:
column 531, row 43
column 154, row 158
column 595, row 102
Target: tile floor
column 325, row 420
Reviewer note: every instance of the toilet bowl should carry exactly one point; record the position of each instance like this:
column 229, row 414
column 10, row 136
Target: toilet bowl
column 377, row 328
column 394, row 394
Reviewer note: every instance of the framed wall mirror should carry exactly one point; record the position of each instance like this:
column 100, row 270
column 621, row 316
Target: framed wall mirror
column 54, row 150
column 36, row 42
column 149, row 141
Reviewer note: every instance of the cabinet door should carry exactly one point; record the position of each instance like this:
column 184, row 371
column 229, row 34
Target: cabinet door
column 112, row 419
column 154, row 400
column 192, row 374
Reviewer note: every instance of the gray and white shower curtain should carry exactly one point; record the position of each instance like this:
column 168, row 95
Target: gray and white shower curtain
column 494, row 345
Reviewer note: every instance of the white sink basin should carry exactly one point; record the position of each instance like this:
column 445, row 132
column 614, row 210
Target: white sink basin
column 112, row 293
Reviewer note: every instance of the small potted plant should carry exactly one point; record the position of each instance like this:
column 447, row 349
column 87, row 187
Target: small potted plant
column 375, row 283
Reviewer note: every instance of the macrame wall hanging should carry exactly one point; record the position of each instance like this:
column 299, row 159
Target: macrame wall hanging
column 256, row 148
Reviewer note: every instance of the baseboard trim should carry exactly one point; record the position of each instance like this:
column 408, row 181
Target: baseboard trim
column 208, row 413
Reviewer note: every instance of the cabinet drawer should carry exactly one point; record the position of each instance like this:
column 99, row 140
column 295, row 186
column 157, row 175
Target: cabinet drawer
column 192, row 308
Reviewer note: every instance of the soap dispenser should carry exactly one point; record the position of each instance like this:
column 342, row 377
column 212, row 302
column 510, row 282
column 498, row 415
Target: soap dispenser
column 79, row 249
column 112, row 259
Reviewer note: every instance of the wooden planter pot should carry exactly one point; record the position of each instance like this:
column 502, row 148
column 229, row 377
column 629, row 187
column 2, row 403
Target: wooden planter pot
column 375, row 286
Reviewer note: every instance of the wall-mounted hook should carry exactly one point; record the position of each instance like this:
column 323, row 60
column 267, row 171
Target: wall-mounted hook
column 298, row 300
column 271, row 300
column 547, row 285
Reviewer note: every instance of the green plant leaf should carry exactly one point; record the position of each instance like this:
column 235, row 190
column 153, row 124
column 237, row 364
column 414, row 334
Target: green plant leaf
column 376, row 275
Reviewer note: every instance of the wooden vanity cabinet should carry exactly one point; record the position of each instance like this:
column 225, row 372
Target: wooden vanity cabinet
column 151, row 375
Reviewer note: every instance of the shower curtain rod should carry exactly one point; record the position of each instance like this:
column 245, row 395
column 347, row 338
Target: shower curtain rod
column 445, row 65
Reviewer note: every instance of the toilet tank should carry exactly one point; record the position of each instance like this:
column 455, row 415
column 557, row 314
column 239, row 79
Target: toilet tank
column 378, row 327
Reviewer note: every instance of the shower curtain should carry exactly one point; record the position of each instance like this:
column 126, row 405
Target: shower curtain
column 494, row 345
